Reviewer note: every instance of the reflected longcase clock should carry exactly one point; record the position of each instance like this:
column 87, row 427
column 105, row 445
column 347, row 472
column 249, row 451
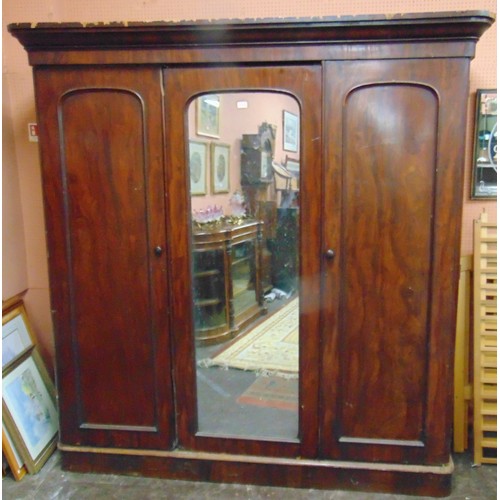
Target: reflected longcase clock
column 257, row 153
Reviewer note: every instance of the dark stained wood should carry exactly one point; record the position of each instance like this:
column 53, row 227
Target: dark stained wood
column 296, row 473
column 399, row 210
column 248, row 54
column 105, row 211
column 55, row 36
column 383, row 106
column 226, row 41
column 182, row 85
column 386, row 259
column 103, row 178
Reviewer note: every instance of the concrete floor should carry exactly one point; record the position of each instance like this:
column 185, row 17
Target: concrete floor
column 477, row 483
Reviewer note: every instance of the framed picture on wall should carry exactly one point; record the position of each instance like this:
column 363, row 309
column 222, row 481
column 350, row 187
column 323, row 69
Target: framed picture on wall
column 17, row 336
column 198, row 157
column 484, row 159
column 290, row 132
column 29, row 410
column 207, row 115
column 220, row 167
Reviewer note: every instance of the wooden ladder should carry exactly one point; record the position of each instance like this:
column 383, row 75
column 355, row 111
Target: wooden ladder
column 485, row 341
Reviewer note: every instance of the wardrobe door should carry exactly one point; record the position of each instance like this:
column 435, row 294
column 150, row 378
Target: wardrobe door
column 101, row 150
column 220, row 409
column 393, row 190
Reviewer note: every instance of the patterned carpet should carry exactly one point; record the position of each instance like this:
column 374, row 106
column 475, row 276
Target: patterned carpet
column 272, row 392
column 271, row 348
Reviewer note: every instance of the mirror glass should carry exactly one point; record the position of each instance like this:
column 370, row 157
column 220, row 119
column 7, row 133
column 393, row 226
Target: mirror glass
column 244, row 170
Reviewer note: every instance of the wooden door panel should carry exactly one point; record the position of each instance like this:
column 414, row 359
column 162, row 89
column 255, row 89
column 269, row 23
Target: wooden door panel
column 387, row 236
column 391, row 209
column 106, row 178
column 108, row 286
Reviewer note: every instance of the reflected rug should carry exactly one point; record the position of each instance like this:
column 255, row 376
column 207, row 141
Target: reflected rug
column 271, row 348
column 272, row 392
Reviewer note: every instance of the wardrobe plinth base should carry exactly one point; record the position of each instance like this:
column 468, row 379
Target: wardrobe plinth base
column 264, row 471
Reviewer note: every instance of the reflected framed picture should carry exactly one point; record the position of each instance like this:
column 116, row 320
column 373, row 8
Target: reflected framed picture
column 220, row 167
column 198, row 158
column 207, row 115
column 17, row 335
column 484, row 160
column 29, row 410
column 291, row 132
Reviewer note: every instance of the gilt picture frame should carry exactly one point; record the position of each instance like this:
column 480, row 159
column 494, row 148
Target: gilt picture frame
column 12, row 456
column 291, row 132
column 220, row 171
column 198, row 165
column 208, row 115
column 30, row 410
column 17, row 335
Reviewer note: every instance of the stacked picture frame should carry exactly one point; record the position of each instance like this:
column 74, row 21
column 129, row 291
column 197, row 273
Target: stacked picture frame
column 30, row 418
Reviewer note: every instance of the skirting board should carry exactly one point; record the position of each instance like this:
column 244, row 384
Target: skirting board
column 265, row 471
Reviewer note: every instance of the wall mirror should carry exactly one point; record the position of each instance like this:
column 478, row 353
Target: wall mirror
column 484, row 166
column 245, row 263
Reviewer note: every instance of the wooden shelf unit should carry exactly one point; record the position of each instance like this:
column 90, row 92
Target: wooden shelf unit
column 219, row 279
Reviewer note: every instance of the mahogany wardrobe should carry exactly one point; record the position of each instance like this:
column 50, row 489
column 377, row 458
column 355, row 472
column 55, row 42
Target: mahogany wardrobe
column 370, row 131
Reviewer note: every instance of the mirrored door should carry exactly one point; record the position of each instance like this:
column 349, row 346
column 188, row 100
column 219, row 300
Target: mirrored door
column 247, row 368
column 245, row 207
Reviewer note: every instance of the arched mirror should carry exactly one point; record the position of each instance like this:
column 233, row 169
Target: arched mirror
column 244, row 170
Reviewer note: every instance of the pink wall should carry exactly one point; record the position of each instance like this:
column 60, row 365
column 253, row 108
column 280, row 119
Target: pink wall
column 15, row 273
column 28, row 269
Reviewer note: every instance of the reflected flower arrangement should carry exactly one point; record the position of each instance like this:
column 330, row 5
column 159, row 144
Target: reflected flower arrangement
column 209, row 215
column 213, row 215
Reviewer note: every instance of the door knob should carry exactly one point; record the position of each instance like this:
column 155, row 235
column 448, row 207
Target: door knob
column 158, row 251
column 330, row 254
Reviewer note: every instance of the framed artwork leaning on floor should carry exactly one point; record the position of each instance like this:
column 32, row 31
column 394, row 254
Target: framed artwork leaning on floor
column 29, row 409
